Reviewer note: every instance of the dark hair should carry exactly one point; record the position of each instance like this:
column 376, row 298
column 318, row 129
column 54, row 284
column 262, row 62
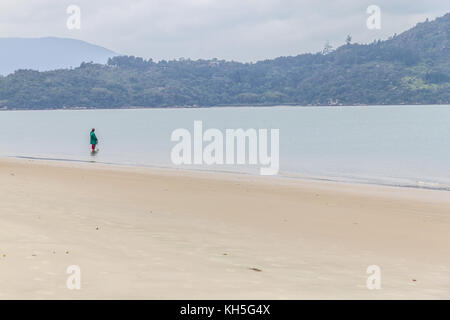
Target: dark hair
column 93, row 129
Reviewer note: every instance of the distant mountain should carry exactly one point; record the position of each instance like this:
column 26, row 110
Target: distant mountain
column 410, row 68
column 44, row 54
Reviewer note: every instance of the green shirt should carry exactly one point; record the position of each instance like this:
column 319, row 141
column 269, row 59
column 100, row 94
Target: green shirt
column 94, row 139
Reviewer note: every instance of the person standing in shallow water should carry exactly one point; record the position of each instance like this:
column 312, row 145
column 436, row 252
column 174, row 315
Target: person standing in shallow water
column 94, row 140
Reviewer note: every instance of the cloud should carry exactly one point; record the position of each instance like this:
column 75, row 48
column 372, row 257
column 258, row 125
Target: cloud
column 244, row 30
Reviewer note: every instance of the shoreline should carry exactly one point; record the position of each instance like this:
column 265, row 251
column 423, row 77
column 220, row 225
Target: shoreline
column 283, row 175
column 229, row 106
column 146, row 233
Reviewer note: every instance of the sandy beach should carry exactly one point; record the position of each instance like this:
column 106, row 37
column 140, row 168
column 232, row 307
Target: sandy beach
column 142, row 233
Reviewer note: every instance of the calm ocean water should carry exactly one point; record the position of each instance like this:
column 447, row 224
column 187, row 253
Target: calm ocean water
column 393, row 145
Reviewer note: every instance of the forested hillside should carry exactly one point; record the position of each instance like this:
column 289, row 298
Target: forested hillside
column 410, row 68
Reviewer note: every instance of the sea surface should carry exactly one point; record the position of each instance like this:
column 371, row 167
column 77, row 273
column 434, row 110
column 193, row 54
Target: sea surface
column 389, row 145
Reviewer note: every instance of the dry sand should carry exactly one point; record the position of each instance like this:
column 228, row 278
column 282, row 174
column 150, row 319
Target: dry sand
column 141, row 233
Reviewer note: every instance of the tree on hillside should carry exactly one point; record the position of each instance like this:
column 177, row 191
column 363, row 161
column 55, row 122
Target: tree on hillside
column 328, row 48
column 348, row 40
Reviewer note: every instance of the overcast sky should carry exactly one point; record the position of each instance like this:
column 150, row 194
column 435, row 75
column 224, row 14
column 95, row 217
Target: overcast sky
column 242, row 30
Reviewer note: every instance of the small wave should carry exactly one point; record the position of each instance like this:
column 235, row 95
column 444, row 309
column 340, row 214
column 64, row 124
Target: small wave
column 382, row 181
